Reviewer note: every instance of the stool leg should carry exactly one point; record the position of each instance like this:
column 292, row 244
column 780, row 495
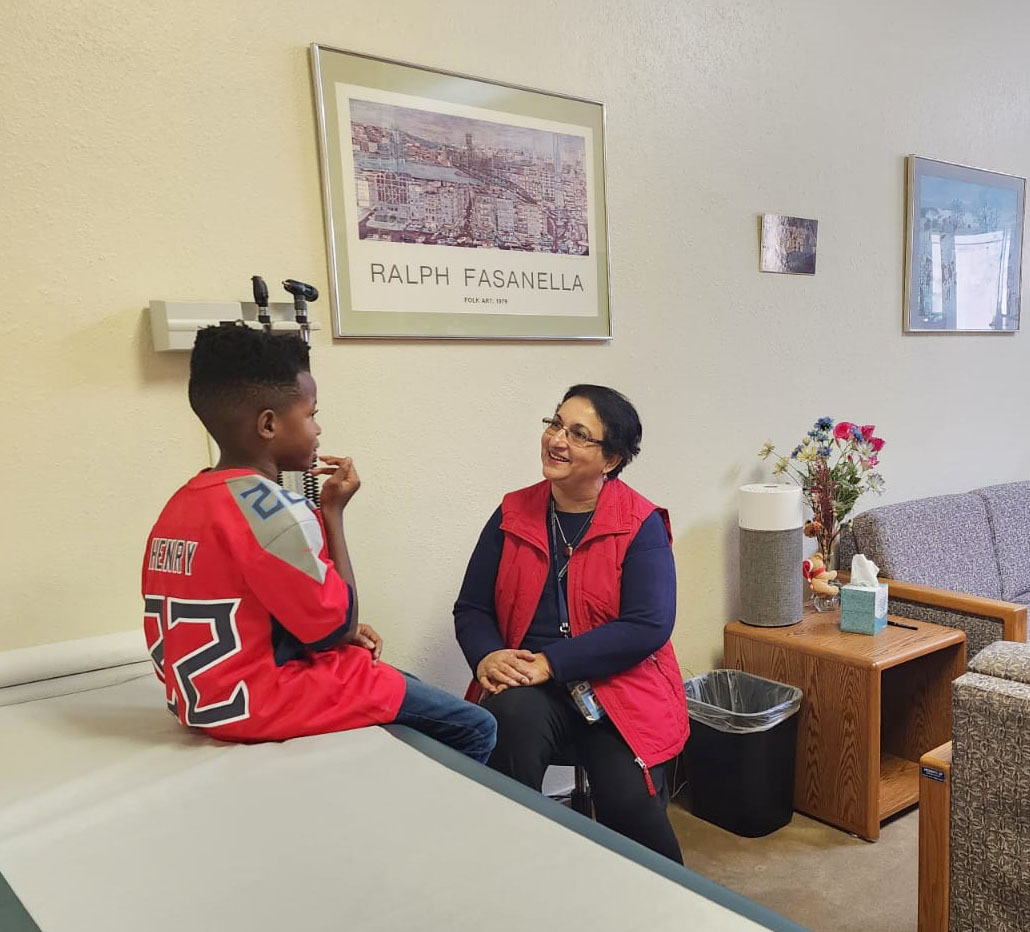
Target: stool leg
column 581, row 793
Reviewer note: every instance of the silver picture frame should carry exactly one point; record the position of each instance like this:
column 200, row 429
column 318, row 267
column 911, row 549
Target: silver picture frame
column 963, row 248
column 458, row 208
column 788, row 244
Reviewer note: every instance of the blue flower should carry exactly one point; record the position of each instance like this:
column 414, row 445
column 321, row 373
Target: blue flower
column 824, row 451
column 856, row 432
column 824, row 423
column 797, row 450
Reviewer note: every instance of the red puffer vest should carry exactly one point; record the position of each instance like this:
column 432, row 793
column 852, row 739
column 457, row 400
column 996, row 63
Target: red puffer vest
column 646, row 703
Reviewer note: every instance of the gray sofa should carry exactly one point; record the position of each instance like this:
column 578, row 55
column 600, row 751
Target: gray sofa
column 956, row 560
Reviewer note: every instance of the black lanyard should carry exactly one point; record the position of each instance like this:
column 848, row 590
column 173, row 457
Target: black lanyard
column 561, row 574
column 560, row 595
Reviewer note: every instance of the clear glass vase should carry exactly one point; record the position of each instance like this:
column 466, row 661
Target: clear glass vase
column 826, row 603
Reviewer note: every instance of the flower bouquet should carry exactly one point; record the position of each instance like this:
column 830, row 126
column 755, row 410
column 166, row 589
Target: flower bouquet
column 834, row 464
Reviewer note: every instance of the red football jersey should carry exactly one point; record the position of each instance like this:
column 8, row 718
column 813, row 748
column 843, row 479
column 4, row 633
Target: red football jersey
column 241, row 603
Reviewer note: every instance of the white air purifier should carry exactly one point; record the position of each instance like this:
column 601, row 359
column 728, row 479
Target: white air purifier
column 771, row 583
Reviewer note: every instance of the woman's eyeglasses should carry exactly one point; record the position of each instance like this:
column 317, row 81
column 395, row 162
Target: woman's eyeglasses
column 577, row 434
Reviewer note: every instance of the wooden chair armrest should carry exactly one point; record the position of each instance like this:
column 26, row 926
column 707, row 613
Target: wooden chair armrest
column 934, row 839
column 1012, row 615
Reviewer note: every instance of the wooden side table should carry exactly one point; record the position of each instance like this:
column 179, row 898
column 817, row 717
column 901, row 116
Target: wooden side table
column 872, row 706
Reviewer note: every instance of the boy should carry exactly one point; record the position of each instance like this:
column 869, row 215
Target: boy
column 250, row 608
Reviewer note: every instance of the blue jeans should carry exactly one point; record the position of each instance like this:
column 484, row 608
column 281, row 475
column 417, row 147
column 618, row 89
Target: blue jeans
column 459, row 724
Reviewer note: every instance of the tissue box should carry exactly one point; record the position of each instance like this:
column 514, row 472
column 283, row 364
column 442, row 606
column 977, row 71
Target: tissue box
column 863, row 610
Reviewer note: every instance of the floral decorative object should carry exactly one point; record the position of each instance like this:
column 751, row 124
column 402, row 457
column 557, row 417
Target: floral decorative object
column 835, row 463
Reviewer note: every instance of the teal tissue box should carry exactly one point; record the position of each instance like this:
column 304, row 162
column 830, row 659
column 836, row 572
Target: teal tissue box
column 863, row 611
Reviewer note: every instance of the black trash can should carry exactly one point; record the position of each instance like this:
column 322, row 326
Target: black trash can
column 739, row 759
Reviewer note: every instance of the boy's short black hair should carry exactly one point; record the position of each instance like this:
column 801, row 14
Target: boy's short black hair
column 237, row 371
column 622, row 429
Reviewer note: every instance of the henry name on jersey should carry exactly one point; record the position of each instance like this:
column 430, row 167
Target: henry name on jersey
column 172, row 555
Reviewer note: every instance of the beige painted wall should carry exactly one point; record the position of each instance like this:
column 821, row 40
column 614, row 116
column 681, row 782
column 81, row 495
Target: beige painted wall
column 170, row 152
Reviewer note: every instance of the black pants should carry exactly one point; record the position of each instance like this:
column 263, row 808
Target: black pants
column 537, row 723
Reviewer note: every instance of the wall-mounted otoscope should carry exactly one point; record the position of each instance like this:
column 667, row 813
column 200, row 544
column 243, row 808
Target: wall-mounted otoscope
column 261, row 300
column 302, row 293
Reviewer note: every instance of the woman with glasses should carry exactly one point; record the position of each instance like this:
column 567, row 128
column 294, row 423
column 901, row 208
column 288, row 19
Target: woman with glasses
column 565, row 615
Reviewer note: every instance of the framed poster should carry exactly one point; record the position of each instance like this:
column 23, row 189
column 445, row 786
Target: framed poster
column 458, row 208
column 964, row 249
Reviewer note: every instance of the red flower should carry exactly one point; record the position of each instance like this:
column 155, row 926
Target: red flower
column 867, row 431
column 875, row 442
column 842, row 431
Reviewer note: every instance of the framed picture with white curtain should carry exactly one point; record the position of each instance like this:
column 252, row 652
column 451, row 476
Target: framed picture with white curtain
column 964, row 249
column 459, row 208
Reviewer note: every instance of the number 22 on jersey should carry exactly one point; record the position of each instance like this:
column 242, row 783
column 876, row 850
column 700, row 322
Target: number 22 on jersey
column 221, row 640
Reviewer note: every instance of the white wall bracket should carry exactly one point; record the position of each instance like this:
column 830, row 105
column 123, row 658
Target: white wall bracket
column 174, row 324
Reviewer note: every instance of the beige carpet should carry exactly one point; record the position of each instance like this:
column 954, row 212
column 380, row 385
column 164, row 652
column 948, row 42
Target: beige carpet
column 821, row 877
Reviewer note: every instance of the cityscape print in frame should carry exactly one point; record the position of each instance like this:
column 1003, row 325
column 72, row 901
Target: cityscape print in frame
column 458, row 208
column 964, row 249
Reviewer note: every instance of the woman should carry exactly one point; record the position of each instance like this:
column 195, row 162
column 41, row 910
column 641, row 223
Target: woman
column 565, row 616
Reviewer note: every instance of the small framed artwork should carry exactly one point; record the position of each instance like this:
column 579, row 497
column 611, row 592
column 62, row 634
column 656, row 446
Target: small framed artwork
column 788, row 244
column 964, row 249
column 459, row 208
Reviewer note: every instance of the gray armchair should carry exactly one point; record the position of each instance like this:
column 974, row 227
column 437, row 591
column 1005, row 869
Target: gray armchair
column 988, row 812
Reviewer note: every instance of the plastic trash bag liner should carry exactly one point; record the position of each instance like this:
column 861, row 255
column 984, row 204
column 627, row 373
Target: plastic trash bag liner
column 735, row 702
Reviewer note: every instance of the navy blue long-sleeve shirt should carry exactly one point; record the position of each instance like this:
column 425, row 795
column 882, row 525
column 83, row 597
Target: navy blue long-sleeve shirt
column 645, row 622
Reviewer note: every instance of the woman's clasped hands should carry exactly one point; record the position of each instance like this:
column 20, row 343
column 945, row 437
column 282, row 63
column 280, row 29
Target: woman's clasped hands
column 509, row 667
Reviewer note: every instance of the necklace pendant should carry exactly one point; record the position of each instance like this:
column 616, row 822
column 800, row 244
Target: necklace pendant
column 568, row 550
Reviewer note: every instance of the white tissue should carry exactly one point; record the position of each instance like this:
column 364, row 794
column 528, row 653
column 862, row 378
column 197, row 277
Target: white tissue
column 863, row 572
